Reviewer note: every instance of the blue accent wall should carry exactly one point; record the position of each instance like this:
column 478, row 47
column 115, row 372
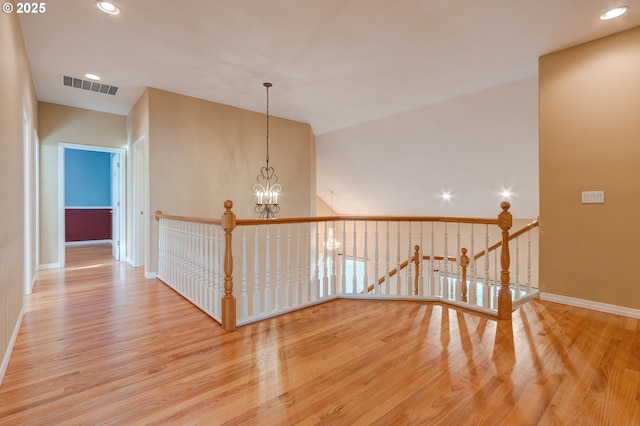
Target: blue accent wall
column 87, row 180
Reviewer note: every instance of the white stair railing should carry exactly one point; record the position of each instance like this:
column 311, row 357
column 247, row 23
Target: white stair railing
column 295, row 263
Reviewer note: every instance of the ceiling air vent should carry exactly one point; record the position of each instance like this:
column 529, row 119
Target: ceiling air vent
column 92, row 86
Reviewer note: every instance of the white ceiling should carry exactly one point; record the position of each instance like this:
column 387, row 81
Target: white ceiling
column 333, row 63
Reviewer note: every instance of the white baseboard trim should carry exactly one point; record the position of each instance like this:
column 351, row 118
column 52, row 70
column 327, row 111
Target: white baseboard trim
column 7, row 354
column 589, row 304
column 86, row 243
column 42, row 267
column 150, row 275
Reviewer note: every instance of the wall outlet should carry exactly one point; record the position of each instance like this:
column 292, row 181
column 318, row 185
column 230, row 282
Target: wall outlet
column 592, row 197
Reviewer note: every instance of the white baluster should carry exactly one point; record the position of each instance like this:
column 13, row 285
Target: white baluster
column 244, row 311
column 354, row 281
column 517, row 289
column 219, row 274
column 181, row 258
column 201, row 266
column 170, row 254
column 387, row 277
column 325, row 261
column 473, row 288
column 486, row 288
column 445, row 291
column 267, row 271
column 192, row 268
column 433, row 287
column 398, row 288
column 307, row 281
column 278, row 270
column 287, row 293
column 365, row 281
column 420, row 259
column 457, row 286
column 528, row 262
column 409, row 274
column 376, row 286
column 344, row 257
column 256, row 271
column 496, row 283
column 298, row 282
column 212, row 307
column 333, row 281
column 160, row 249
column 316, row 280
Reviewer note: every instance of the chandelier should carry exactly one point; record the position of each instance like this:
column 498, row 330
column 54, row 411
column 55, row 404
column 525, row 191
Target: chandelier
column 267, row 188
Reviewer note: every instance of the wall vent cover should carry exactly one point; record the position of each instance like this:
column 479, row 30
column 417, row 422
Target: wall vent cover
column 92, row 86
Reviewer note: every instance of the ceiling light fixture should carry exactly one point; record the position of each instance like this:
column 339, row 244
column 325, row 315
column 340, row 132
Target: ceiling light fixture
column 446, row 196
column 107, row 7
column 506, row 193
column 267, row 189
column 94, row 77
column 614, row 13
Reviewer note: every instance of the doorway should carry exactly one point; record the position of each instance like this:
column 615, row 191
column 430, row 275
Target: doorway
column 140, row 185
column 92, row 213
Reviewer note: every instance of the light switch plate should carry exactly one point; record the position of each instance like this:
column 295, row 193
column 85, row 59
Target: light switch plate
column 592, row 197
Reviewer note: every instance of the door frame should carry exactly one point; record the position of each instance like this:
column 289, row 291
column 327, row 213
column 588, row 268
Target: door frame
column 116, row 206
column 61, row 195
column 140, row 204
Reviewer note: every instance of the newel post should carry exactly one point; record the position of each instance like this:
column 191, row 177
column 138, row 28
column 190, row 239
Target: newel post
column 504, row 295
column 464, row 263
column 228, row 301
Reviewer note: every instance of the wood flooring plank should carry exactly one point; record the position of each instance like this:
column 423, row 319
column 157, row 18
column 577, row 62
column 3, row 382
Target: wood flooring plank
column 100, row 344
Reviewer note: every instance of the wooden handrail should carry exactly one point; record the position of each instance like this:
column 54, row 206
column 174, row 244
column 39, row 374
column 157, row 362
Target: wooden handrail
column 160, row 215
column 240, row 222
column 513, row 236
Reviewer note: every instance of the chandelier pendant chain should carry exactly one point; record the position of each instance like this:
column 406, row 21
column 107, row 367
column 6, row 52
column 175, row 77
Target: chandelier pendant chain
column 267, row 189
column 267, row 85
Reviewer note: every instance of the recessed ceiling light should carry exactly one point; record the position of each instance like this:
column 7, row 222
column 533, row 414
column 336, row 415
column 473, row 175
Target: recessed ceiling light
column 446, row 196
column 506, row 193
column 92, row 76
column 108, row 7
column 614, row 13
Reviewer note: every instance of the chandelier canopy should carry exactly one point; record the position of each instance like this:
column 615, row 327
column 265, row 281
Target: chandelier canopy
column 267, row 188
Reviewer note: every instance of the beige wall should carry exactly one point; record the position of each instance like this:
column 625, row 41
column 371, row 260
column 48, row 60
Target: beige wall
column 590, row 140
column 56, row 124
column 202, row 153
column 18, row 96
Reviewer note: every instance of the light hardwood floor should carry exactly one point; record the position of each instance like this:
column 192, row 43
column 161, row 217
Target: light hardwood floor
column 102, row 345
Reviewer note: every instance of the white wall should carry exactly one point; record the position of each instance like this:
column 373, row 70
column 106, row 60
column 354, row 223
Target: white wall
column 473, row 146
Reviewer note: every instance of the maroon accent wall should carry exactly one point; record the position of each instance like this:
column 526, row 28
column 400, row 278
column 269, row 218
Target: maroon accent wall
column 87, row 224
